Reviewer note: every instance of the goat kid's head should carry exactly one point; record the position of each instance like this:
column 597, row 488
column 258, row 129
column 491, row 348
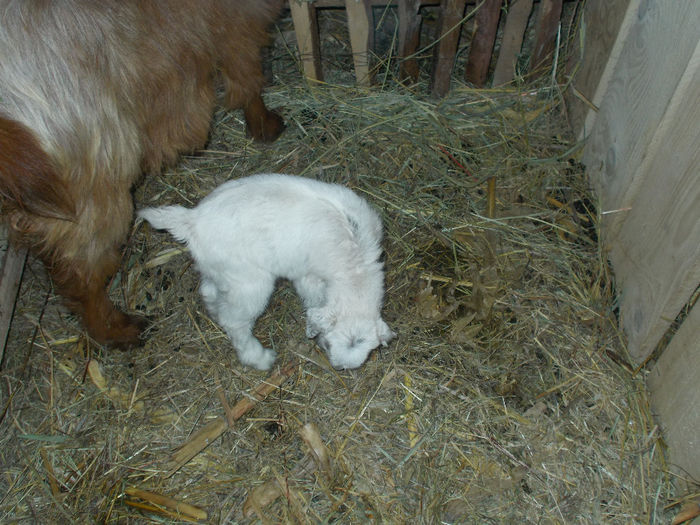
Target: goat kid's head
column 347, row 341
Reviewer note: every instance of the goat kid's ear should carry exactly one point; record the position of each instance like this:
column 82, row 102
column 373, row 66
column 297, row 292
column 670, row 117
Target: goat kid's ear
column 384, row 333
column 318, row 320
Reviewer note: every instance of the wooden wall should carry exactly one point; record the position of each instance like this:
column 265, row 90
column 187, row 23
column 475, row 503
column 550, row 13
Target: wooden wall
column 641, row 80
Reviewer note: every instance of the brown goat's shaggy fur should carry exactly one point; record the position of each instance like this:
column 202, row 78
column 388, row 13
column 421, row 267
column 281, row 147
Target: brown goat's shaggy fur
column 95, row 92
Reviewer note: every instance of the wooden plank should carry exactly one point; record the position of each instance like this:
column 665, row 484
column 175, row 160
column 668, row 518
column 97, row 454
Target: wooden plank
column 483, row 39
column 306, row 29
column 10, row 279
column 647, row 74
column 548, row 20
column 513, row 33
column 358, row 12
column 605, row 26
column 656, row 255
column 409, row 39
column 450, row 24
column 675, row 396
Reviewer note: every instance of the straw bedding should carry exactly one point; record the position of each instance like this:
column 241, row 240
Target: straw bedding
column 507, row 396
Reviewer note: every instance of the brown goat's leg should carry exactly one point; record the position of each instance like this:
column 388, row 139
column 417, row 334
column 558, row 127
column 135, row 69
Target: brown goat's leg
column 263, row 125
column 85, row 292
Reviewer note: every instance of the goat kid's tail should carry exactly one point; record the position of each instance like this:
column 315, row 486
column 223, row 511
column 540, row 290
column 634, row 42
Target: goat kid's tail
column 175, row 219
column 30, row 185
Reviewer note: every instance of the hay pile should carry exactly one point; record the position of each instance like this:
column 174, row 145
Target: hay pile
column 506, row 396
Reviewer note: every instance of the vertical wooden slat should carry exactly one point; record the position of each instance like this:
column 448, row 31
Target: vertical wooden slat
column 481, row 48
column 656, row 254
column 358, row 12
column 675, row 395
column 451, row 13
column 306, row 29
column 603, row 31
column 548, row 21
column 10, row 279
column 513, row 33
column 409, row 38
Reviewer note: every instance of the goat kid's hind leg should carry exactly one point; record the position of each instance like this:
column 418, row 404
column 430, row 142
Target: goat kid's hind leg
column 237, row 310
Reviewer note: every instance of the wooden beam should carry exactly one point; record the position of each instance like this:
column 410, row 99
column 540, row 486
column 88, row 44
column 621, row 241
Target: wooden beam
column 656, row 254
column 10, row 279
column 675, row 396
column 481, row 48
column 451, row 13
column 358, row 12
column 548, row 21
column 306, row 29
column 603, row 30
column 513, row 33
column 409, row 39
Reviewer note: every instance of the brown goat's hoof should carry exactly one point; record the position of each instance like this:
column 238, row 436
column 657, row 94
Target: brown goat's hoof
column 269, row 129
column 121, row 331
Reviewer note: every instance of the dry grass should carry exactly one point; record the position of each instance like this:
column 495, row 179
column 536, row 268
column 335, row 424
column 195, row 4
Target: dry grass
column 505, row 398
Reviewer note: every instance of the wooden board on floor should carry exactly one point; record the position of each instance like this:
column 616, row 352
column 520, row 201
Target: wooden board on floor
column 675, row 396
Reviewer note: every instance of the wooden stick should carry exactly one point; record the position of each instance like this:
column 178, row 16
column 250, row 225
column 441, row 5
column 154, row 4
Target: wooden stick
column 180, row 508
column 212, row 430
column 159, row 510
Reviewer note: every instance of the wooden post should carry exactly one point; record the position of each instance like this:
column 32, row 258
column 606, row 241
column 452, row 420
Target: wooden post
column 306, row 29
column 675, row 395
column 451, row 12
column 547, row 24
column 10, row 279
column 481, row 48
column 358, row 23
column 409, row 39
column 516, row 22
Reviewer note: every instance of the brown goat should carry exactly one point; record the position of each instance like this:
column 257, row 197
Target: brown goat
column 95, row 92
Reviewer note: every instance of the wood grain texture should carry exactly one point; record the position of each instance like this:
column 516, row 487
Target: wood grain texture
column 306, row 29
column 450, row 24
column 513, row 33
column 656, row 254
column 605, row 26
column 10, row 278
column 481, row 48
column 409, row 39
column 675, row 396
column 358, row 12
column 653, row 58
column 548, row 21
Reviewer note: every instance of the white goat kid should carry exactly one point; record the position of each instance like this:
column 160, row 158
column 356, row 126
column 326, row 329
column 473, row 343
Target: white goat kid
column 322, row 237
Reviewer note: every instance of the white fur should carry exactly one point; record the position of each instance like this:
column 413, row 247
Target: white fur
column 324, row 238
